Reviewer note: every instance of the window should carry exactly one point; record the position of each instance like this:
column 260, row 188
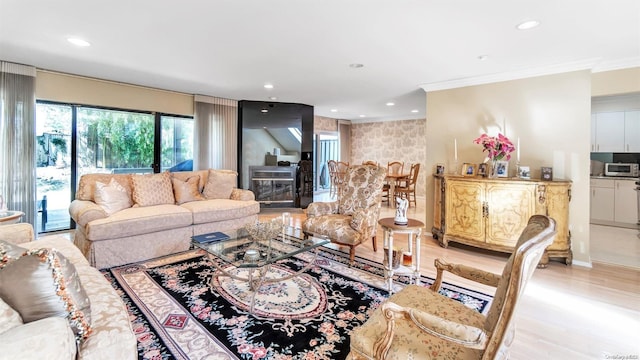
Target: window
column 76, row 140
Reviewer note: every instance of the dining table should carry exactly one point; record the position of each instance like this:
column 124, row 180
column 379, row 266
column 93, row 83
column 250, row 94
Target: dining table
column 393, row 179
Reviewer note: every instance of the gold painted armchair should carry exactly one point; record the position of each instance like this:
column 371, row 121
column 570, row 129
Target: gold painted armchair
column 353, row 218
column 419, row 323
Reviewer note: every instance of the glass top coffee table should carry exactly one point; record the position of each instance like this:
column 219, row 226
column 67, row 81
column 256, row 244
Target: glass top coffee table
column 255, row 257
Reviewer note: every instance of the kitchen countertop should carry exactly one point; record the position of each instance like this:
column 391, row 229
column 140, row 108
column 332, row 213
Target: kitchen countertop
column 614, row 177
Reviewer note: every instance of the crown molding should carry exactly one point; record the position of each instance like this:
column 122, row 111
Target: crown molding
column 588, row 64
column 617, row 65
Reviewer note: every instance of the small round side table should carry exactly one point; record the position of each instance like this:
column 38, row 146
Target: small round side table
column 414, row 230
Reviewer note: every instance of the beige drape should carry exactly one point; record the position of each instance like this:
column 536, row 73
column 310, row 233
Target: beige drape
column 216, row 133
column 17, row 138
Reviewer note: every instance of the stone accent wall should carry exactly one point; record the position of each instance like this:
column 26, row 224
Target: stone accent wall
column 402, row 140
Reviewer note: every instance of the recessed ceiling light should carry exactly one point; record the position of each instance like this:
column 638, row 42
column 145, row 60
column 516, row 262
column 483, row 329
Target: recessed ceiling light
column 334, row 110
column 529, row 24
column 264, row 111
column 363, row 115
column 273, row 98
column 483, row 57
column 78, row 42
column 415, row 110
column 356, row 65
column 390, row 103
column 268, row 86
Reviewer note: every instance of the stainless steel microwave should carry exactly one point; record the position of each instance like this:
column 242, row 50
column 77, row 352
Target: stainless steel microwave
column 621, row 169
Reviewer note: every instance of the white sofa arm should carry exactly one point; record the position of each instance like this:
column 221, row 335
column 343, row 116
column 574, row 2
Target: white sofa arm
column 17, row 233
column 48, row 338
column 242, row 194
column 84, row 211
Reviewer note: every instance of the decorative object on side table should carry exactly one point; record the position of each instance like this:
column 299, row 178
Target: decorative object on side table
column 401, row 211
column 546, row 173
column 482, row 170
column 497, row 148
column 524, row 172
column 501, row 168
column 468, row 169
column 439, row 169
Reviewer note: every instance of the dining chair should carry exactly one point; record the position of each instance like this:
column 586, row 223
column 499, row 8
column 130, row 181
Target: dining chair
column 393, row 168
column 341, row 171
column 333, row 171
column 370, row 162
column 419, row 323
column 353, row 218
column 408, row 189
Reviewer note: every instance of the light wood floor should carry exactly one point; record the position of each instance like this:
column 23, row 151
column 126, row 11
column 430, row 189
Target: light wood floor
column 567, row 312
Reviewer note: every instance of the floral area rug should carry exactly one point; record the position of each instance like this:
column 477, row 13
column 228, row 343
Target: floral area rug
column 179, row 310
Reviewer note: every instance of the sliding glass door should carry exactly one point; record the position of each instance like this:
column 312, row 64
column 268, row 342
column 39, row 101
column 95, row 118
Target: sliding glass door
column 53, row 166
column 76, row 140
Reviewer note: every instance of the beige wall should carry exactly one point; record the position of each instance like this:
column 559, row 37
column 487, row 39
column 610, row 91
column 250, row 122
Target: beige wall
column 324, row 124
column 615, row 82
column 550, row 115
column 74, row 89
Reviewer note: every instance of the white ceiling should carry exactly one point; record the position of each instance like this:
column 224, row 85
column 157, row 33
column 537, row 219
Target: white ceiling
column 231, row 48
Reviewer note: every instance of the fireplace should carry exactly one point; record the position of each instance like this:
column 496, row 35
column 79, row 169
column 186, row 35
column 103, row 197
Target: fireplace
column 274, row 186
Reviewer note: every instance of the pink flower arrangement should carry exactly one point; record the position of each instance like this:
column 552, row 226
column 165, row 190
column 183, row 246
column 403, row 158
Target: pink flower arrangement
column 498, row 147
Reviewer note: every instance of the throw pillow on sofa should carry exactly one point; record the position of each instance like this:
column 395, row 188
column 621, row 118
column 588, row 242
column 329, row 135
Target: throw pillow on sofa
column 220, row 184
column 9, row 252
column 185, row 191
column 43, row 283
column 152, row 189
column 112, row 197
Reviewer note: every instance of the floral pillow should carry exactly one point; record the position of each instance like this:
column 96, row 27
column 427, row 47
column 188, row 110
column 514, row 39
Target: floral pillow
column 112, row 197
column 187, row 190
column 152, row 189
column 43, row 283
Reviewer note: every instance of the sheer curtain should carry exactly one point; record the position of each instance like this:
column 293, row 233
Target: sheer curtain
column 216, row 129
column 17, row 138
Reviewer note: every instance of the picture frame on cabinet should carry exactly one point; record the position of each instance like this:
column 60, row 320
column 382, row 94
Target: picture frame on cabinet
column 524, row 172
column 546, row 173
column 469, row 169
column 482, row 170
column 439, row 169
column 502, row 169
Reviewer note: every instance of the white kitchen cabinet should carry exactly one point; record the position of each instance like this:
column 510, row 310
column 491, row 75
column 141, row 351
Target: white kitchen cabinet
column 610, row 132
column 614, row 201
column 626, row 202
column 632, row 131
column 602, row 200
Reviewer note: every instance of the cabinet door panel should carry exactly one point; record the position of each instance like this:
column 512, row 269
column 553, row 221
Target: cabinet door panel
column 557, row 207
column 632, row 131
column 509, row 208
column 610, row 132
column 626, row 202
column 464, row 209
column 602, row 203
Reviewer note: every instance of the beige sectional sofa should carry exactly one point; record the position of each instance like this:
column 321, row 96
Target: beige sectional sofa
column 51, row 337
column 163, row 212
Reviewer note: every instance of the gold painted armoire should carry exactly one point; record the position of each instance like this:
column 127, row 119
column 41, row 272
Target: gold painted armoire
column 491, row 213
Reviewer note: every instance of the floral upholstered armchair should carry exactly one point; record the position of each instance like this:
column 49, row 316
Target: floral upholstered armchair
column 353, row 218
column 419, row 323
